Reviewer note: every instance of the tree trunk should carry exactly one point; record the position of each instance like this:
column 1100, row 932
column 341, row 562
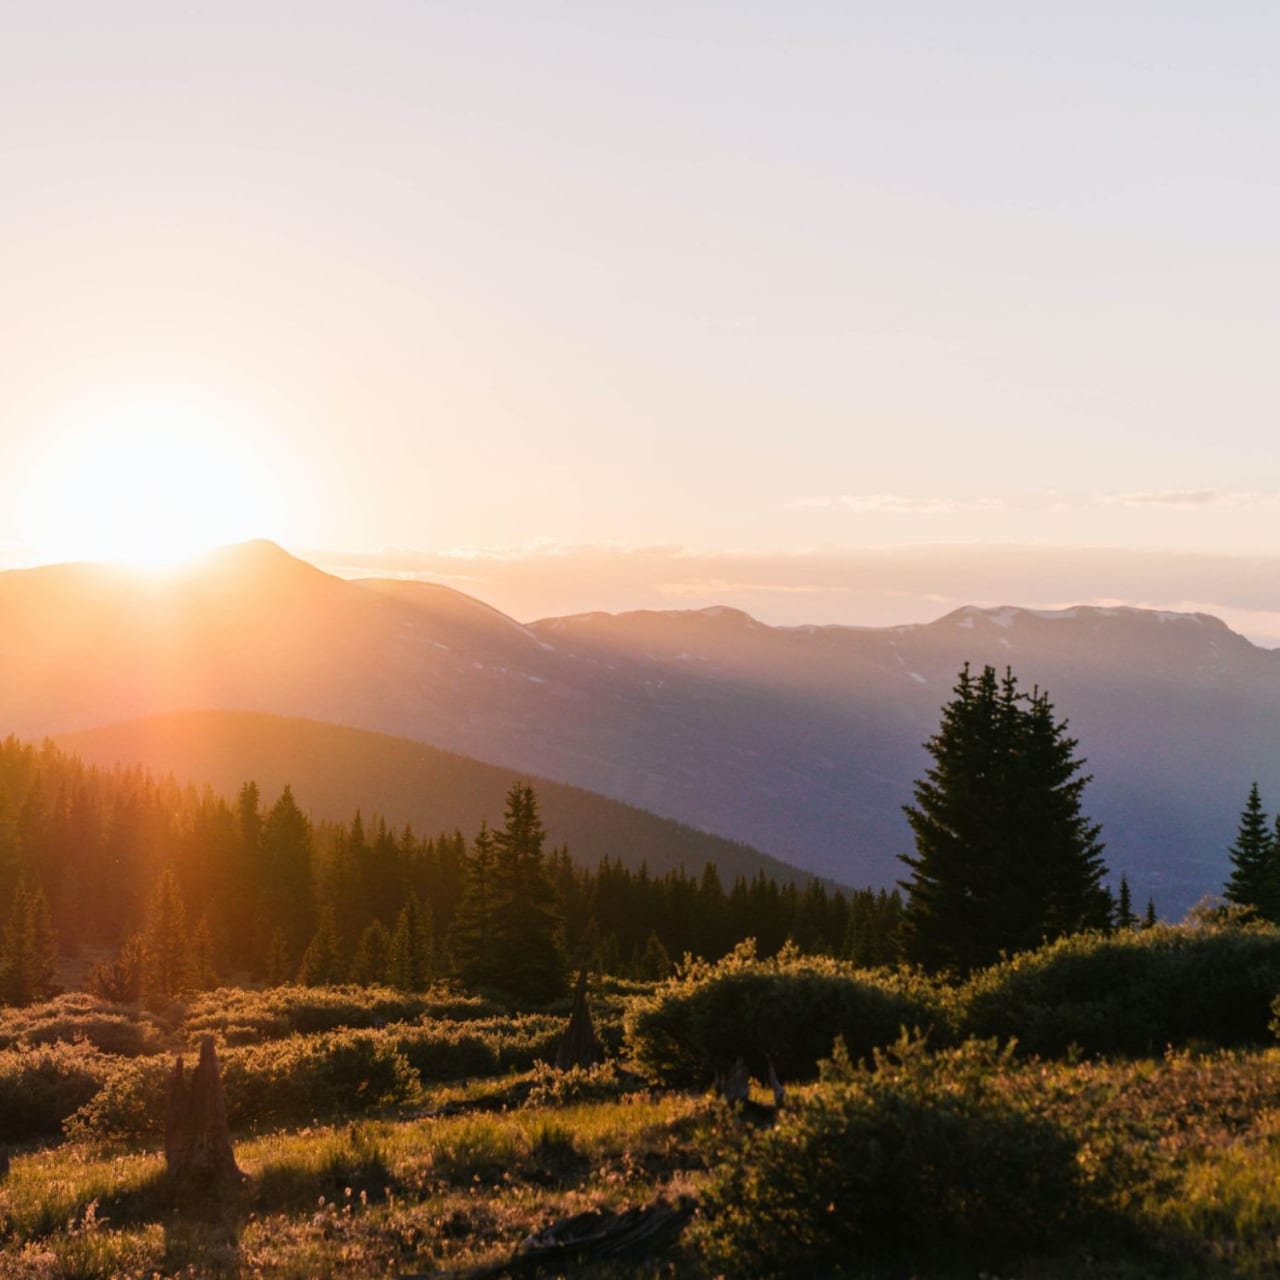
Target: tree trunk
column 197, row 1142
column 578, row 1046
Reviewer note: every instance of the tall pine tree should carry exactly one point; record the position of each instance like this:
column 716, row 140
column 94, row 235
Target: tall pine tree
column 1005, row 859
column 526, row 936
column 1255, row 862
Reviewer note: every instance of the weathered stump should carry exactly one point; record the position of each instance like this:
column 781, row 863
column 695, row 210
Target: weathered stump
column 197, row 1142
column 578, row 1046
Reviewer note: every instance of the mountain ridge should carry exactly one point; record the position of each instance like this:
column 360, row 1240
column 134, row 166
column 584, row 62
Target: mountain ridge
column 802, row 742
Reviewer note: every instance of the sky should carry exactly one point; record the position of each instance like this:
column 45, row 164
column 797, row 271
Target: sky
column 733, row 303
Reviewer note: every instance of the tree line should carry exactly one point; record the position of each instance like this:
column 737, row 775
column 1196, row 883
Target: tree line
column 184, row 887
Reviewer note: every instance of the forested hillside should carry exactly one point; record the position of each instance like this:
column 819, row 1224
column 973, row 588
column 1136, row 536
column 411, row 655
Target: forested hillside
column 334, row 770
column 801, row 741
column 246, row 884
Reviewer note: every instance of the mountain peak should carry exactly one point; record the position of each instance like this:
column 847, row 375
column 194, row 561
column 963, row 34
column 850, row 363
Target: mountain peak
column 1006, row 616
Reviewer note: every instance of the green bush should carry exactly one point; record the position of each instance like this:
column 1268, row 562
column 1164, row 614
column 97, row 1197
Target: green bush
column 788, row 1009
column 924, row 1157
column 40, row 1087
column 130, row 1105
column 241, row 1016
column 1131, row 993
column 79, row 1016
column 441, row 1051
column 290, row 1081
column 315, row 1078
column 601, row 1083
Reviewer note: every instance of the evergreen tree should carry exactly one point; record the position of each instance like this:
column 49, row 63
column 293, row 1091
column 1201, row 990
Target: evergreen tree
column 369, row 964
column 203, row 971
column 527, row 928
column 1149, row 918
column 409, row 955
column 166, row 958
column 1255, row 862
column 29, row 951
column 1125, row 919
column 655, row 963
column 286, row 868
column 279, row 966
column 1005, row 860
column 322, row 961
column 471, row 935
column 119, row 979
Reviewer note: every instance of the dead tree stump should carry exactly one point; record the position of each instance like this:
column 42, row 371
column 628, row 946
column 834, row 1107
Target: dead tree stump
column 197, row 1142
column 578, row 1046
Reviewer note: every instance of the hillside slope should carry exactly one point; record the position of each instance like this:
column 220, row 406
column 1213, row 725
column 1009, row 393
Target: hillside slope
column 334, row 771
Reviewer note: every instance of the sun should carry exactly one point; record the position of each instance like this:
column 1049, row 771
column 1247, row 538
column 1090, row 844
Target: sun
column 148, row 484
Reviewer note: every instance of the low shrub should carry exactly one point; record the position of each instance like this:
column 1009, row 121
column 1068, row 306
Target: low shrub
column 1131, row 993
column 110, row 1028
column 291, row 1081
column 316, row 1077
column 242, row 1016
column 442, row 1051
column 41, row 1086
column 922, row 1158
column 788, row 1010
column 601, row 1083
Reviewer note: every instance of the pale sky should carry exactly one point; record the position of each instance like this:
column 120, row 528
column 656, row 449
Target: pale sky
column 741, row 279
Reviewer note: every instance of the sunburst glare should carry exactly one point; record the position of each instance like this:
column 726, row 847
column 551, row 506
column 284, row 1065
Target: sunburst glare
column 149, row 484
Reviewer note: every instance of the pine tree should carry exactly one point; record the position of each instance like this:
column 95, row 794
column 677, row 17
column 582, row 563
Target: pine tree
column 279, row 965
column 203, row 970
column 1255, row 862
column 286, row 868
column 470, row 940
column 369, row 964
column 409, row 955
column 1125, row 919
column 29, row 951
column 120, row 978
column 166, row 956
column 322, row 961
column 655, row 963
column 1149, row 918
column 527, row 928
column 1005, row 859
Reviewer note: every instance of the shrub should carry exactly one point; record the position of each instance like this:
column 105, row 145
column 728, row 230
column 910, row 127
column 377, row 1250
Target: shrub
column 788, row 1009
column 110, row 1028
column 41, row 1087
column 601, row 1083
column 1131, row 993
column 441, row 1051
column 922, row 1157
column 245, row 1017
column 290, row 1081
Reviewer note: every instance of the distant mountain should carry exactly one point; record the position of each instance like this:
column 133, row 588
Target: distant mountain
column 334, row 771
column 800, row 741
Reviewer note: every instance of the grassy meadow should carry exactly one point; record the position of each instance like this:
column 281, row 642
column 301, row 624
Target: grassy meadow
column 384, row 1133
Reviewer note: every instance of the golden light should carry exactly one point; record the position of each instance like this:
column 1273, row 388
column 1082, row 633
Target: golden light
column 148, row 484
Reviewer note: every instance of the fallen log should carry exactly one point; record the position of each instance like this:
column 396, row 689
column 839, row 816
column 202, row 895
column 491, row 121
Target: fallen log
column 587, row 1237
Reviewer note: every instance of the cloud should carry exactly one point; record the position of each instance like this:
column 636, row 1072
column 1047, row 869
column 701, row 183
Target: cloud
column 897, row 504
column 720, row 586
column 1188, row 499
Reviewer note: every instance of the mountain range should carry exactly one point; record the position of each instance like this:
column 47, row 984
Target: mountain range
column 800, row 741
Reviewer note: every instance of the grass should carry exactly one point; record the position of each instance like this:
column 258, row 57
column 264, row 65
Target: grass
column 1179, row 1156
